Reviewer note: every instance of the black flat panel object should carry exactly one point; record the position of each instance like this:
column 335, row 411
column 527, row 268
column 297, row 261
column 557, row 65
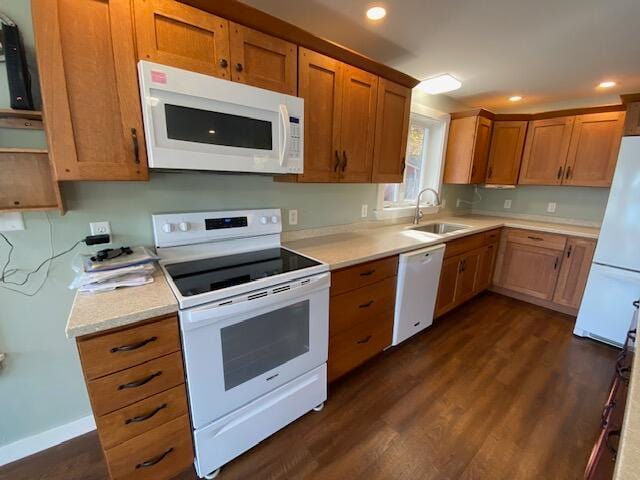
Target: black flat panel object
column 17, row 70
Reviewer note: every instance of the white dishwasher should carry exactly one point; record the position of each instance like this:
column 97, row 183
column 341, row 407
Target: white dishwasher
column 418, row 279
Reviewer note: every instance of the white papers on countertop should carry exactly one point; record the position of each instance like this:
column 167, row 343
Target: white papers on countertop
column 122, row 281
column 84, row 279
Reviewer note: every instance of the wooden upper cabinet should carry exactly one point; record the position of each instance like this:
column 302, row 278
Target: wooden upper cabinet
column 505, row 154
column 545, row 151
column 359, row 100
column 593, row 152
column 467, row 150
column 263, row 61
column 320, row 84
column 392, row 130
column 574, row 272
column 181, row 36
column 89, row 83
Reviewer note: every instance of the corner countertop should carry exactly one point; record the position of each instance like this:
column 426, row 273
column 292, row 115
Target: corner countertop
column 342, row 250
column 97, row 312
column 628, row 458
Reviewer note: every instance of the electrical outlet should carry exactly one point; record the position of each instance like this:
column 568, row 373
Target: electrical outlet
column 293, row 217
column 364, row 212
column 551, row 207
column 458, row 203
column 11, row 221
column 507, row 204
column 100, row 228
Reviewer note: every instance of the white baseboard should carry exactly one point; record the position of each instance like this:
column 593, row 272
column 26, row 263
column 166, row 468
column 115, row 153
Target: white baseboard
column 50, row 438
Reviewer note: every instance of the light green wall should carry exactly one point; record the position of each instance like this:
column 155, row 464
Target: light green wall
column 577, row 203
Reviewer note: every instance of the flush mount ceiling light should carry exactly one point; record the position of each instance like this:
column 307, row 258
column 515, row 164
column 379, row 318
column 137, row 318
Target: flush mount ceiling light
column 607, row 84
column 440, row 84
column 376, row 13
column 515, row 98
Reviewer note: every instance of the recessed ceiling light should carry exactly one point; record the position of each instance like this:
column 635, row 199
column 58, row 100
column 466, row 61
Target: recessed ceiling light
column 515, row 98
column 376, row 13
column 440, row 84
column 607, row 84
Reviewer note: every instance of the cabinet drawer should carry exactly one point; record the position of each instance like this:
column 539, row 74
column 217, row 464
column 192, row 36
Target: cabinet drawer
column 364, row 274
column 129, row 386
column 352, row 308
column 353, row 347
column 111, row 352
column 136, row 419
column 537, row 239
column 492, row 236
column 161, row 453
column 465, row 244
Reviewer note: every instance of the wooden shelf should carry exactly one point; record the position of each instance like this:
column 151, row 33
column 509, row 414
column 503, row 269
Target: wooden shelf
column 23, row 119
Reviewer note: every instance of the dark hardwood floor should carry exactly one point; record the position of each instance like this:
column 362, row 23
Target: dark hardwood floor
column 497, row 389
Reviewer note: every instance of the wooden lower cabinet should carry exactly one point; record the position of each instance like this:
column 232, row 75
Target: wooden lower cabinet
column 136, row 386
column 486, row 266
column 360, row 314
column 574, row 272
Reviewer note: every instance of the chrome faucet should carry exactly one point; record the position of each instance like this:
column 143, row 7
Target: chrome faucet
column 418, row 214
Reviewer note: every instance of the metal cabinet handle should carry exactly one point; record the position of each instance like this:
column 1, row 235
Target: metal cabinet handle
column 537, row 239
column 368, row 273
column 154, row 461
column 568, row 174
column 366, row 305
column 404, row 165
column 146, row 416
column 637, row 303
column 335, row 167
column 136, row 145
column 569, row 251
column 224, row 63
column 490, row 172
column 559, row 176
column 555, row 264
column 133, row 346
column 344, row 163
column 364, row 340
column 239, row 67
column 139, row 383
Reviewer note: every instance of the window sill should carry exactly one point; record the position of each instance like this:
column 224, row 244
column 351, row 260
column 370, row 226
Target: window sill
column 399, row 212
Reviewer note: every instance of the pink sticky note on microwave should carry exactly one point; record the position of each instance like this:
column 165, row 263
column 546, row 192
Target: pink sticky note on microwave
column 158, row 77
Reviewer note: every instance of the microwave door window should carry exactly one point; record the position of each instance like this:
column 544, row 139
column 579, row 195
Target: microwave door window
column 215, row 128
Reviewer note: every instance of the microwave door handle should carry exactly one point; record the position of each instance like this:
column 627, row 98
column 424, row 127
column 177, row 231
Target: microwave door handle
column 286, row 133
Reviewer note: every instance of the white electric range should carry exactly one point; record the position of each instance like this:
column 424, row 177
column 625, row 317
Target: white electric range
column 254, row 320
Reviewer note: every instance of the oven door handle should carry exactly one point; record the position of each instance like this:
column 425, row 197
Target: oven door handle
column 206, row 314
column 286, row 133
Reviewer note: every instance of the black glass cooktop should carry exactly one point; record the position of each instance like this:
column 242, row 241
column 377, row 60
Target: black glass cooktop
column 210, row 274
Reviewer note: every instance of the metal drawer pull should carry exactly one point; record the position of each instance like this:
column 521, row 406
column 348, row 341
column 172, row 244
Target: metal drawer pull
column 139, row 383
column 154, row 461
column 559, row 173
column 224, row 63
column 367, row 273
column 366, row 305
column 143, row 418
column 568, row 172
column 364, row 340
column 134, row 346
column 537, row 239
column 569, row 251
column 239, row 67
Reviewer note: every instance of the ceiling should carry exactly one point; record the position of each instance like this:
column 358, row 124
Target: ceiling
column 552, row 52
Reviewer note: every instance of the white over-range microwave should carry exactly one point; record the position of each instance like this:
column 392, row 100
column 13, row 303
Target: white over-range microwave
column 198, row 122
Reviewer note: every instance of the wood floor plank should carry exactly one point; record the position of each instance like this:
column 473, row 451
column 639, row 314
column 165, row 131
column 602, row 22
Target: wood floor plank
column 496, row 389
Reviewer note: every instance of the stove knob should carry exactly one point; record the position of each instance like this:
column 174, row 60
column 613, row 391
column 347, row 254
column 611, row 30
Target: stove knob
column 264, row 220
column 274, row 219
column 183, row 226
column 168, row 227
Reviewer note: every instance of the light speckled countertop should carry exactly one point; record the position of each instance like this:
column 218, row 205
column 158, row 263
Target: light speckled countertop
column 628, row 461
column 350, row 248
column 96, row 312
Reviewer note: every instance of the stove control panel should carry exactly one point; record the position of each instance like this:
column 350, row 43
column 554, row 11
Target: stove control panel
column 189, row 228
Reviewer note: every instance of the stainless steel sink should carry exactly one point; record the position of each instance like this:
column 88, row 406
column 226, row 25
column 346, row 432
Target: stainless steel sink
column 440, row 228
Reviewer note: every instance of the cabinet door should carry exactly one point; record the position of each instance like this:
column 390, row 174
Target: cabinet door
column 263, row 61
column 530, row 270
column 320, row 84
column 593, row 151
column 90, row 96
column 460, row 143
column 574, row 271
column 447, row 286
column 545, row 151
column 486, row 266
column 467, row 278
column 359, row 97
column 392, row 130
column 505, row 155
column 178, row 35
column 481, row 150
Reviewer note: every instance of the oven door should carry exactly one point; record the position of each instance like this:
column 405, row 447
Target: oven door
column 237, row 352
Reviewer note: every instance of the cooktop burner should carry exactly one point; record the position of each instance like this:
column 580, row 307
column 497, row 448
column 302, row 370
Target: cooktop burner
column 210, row 274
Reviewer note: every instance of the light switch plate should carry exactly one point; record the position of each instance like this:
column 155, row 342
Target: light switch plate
column 11, row 222
column 551, row 207
column 293, row 217
column 507, row 204
column 364, row 212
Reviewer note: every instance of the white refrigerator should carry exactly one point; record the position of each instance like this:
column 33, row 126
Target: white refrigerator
column 614, row 280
